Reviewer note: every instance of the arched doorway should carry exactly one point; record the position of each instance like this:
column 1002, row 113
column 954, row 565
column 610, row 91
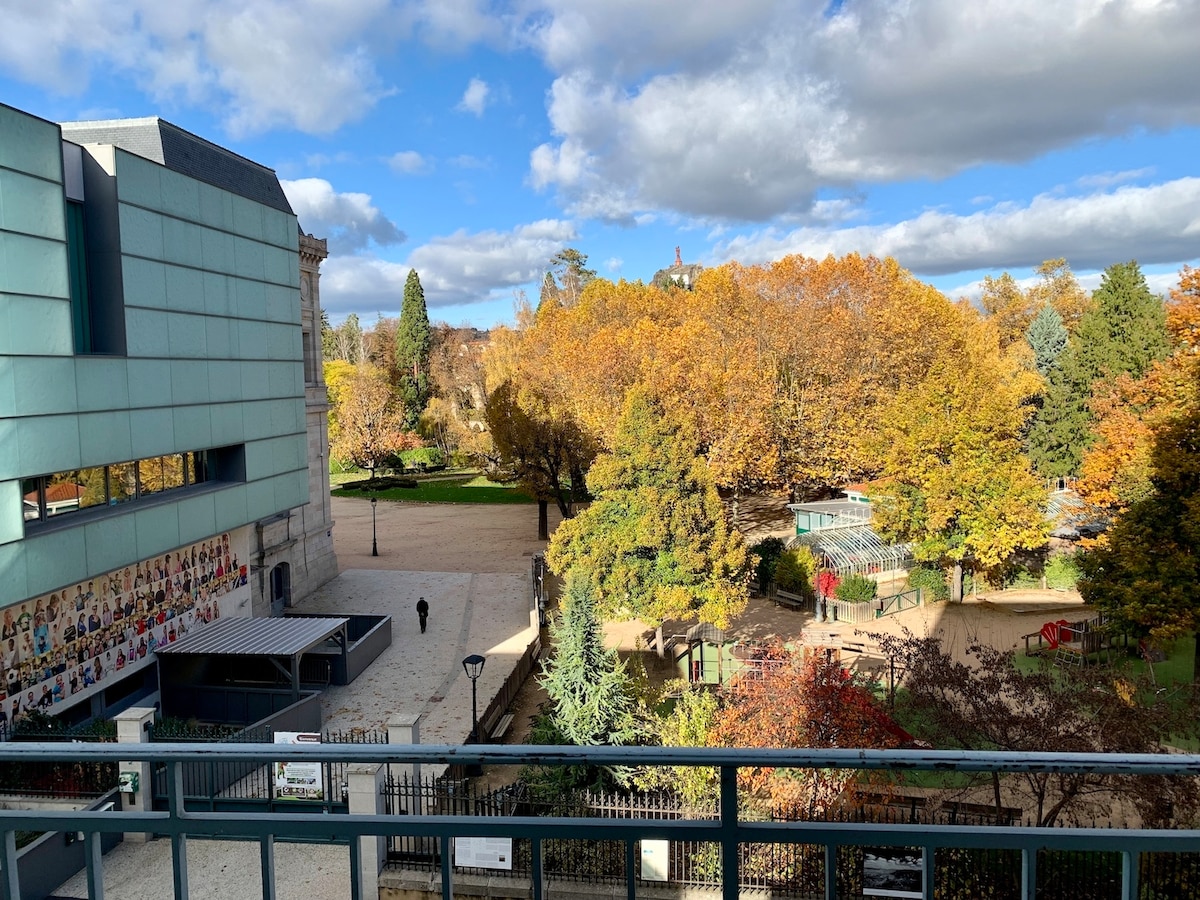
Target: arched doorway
column 281, row 588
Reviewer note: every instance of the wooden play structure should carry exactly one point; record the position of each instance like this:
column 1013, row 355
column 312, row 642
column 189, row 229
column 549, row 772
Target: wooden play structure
column 1071, row 643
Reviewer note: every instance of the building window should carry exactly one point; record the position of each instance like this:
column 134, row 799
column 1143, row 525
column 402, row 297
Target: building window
column 81, row 313
column 50, row 496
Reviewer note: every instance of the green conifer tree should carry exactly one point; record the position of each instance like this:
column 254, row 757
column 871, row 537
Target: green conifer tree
column 1124, row 331
column 413, row 341
column 591, row 692
column 1048, row 337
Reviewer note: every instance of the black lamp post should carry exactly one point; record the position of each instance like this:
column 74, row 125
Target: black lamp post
column 473, row 666
column 374, row 543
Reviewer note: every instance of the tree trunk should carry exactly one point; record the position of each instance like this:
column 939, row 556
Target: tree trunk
column 543, row 520
column 658, row 641
column 1196, row 661
column 956, row 582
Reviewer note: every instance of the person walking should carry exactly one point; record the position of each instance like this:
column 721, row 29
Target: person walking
column 423, row 613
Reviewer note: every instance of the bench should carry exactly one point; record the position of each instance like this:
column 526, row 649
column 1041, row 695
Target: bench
column 502, row 726
column 795, row 601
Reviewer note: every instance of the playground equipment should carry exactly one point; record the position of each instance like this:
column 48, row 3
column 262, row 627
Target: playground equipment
column 1070, row 642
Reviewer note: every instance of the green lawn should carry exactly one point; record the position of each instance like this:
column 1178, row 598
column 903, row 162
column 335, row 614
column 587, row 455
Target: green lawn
column 468, row 489
column 1175, row 669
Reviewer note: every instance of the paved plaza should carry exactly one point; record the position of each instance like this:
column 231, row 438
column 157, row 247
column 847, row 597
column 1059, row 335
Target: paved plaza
column 471, row 563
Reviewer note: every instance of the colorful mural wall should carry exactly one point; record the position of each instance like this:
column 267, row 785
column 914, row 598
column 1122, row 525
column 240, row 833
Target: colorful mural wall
column 58, row 649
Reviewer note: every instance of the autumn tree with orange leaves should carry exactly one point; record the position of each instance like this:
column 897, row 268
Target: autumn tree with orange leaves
column 786, row 700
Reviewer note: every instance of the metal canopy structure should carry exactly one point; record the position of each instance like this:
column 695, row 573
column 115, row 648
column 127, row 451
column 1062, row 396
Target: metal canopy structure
column 273, row 639
column 854, row 550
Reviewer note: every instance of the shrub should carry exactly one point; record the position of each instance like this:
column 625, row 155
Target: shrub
column 429, row 456
column 795, row 572
column 461, row 459
column 767, row 552
column 382, row 483
column 931, row 581
column 1062, row 572
column 857, row 589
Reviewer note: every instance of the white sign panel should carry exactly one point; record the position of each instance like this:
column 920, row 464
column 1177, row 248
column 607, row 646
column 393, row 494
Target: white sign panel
column 483, row 852
column 656, row 860
column 894, row 872
column 298, row 780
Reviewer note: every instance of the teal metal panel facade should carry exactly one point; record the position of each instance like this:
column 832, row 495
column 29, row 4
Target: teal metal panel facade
column 213, row 357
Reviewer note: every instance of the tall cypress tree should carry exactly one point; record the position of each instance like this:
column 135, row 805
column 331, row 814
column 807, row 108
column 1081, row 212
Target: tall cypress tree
column 413, row 340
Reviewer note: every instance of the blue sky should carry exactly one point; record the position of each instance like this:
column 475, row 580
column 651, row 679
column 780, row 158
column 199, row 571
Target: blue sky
column 472, row 140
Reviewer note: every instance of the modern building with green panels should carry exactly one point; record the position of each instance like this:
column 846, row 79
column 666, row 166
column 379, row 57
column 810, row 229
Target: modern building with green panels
column 160, row 402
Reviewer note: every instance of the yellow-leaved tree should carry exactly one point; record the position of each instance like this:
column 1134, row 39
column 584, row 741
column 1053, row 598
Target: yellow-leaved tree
column 956, row 482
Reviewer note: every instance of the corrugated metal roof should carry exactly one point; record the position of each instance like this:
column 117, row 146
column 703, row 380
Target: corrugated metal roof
column 257, row 637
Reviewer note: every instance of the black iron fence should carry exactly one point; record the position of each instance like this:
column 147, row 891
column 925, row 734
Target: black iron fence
column 59, row 780
column 784, row 869
column 227, row 785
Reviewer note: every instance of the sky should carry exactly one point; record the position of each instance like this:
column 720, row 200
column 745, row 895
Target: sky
column 472, row 140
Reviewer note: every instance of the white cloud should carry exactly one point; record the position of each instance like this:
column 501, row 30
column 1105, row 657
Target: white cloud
column 264, row 64
column 475, row 97
column 457, row 269
column 613, row 264
column 467, row 161
column 350, row 221
column 1156, row 224
column 1111, row 179
column 744, row 111
column 321, row 160
column 409, row 162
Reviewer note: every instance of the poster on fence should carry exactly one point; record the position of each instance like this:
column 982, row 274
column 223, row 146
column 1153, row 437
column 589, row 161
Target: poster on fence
column 298, row 780
column 656, row 860
column 894, row 872
column 483, row 852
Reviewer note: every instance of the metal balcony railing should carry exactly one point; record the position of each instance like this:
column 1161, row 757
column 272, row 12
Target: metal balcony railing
column 726, row 830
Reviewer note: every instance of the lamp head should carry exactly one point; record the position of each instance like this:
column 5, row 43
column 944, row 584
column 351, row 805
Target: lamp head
column 374, row 500
column 473, row 665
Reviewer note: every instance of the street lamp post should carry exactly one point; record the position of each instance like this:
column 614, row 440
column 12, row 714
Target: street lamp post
column 374, row 542
column 473, row 666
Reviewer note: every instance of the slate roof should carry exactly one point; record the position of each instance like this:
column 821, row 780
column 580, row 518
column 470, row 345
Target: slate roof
column 181, row 151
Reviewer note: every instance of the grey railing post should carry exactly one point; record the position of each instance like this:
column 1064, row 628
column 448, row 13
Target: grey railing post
column 537, row 873
column 266, row 847
column 446, row 846
column 133, row 727
column 729, row 838
column 630, row 871
column 1129, row 875
column 365, row 782
column 95, row 867
column 1028, row 873
column 10, row 878
column 175, row 803
column 831, row 872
